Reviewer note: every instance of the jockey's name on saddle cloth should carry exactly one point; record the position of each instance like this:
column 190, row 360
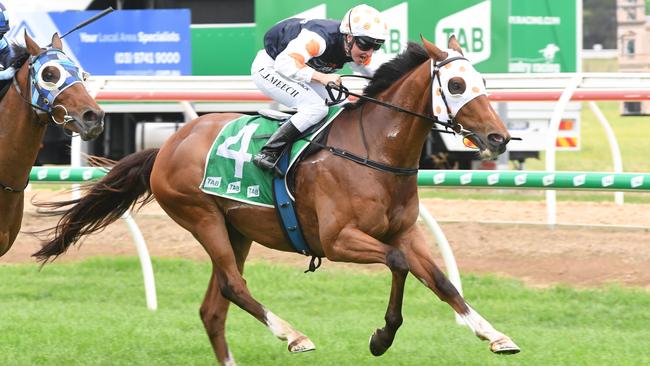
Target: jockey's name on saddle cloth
column 229, row 169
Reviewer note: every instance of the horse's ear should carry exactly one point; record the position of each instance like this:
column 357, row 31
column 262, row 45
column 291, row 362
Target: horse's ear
column 454, row 45
column 32, row 47
column 56, row 41
column 433, row 51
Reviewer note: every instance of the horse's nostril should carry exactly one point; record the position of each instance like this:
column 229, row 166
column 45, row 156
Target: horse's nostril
column 496, row 139
column 90, row 116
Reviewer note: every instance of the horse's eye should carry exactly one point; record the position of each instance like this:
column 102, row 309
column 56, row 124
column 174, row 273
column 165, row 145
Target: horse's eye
column 51, row 74
column 456, row 85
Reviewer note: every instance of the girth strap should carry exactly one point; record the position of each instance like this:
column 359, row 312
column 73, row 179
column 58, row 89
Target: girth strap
column 287, row 213
column 366, row 162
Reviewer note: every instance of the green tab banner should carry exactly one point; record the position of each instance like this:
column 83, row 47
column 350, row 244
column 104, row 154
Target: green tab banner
column 439, row 178
column 535, row 180
column 65, row 174
column 498, row 36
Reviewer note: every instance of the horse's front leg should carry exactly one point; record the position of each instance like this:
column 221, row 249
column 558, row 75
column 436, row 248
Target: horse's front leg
column 421, row 264
column 353, row 245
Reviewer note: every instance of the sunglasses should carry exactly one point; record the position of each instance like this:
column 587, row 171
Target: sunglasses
column 368, row 43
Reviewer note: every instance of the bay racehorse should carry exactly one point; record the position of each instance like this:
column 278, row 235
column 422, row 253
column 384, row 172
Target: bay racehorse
column 349, row 212
column 48, row 87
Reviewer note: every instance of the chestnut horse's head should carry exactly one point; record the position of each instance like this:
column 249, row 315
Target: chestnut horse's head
column 459, row 97
column 57, row 89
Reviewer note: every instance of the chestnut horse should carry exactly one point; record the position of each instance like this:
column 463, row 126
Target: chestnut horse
column 349, row 212
column 48, row 87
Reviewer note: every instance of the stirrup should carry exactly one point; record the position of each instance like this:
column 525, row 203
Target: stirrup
column 264, row 164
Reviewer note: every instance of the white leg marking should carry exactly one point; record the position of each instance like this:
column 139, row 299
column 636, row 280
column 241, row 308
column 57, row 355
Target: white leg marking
column 499, row 342
column 296, row 341
column 481, row 327
column 229, row 361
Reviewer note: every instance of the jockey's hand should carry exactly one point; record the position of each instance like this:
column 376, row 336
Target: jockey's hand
column 326, row 78
column 7, row 74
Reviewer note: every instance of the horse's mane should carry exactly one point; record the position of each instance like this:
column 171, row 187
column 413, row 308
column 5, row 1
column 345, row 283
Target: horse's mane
column 20, row 55
column 388, row 73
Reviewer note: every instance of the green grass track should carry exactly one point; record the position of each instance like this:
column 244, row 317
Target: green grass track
column 93, row 313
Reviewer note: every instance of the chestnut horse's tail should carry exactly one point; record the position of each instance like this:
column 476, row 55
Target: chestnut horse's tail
column 125, row 185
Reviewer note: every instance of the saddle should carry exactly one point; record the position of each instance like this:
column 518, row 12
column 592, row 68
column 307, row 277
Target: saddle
column 230, row 173
column 276, row 115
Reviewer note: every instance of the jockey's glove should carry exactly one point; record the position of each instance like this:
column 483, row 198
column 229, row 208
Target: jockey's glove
column 8, row 73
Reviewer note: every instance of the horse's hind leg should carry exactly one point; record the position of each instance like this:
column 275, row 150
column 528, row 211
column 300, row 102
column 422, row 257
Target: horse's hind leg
column 215, row 307
column 198, row 214
column 210, row 230
column 422, row 266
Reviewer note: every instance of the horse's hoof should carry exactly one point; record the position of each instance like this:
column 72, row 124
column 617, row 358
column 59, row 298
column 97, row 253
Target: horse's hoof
column 379, row 343
column 301, row 344
column 504, row 346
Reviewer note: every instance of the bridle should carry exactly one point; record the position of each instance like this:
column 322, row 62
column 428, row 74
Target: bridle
column 452, row 127
column 43, row 95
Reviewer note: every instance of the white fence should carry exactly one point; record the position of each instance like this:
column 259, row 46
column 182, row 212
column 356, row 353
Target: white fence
column 228, row 93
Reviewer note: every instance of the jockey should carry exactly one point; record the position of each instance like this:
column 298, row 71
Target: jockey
column 298, row 60
column 6, row 71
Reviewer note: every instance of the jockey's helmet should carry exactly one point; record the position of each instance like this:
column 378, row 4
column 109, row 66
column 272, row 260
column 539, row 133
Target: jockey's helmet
column 4, row 20
column 366, row 25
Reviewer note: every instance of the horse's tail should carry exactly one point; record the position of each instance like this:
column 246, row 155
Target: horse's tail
column 125, row 185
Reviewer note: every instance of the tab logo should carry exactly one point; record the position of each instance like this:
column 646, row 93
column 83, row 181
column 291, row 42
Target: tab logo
column 253, row 191
column 65, row 174
column 234, row 187
column 579, row 180
column 520, row 179
column 636, row 182
column 548, row 179
column 493, row 179
column 87, row 174
column 473, row 29
column 607, row 180
column 42, row 174
column 212, row 182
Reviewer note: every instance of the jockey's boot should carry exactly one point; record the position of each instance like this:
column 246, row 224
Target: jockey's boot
column 268, row 156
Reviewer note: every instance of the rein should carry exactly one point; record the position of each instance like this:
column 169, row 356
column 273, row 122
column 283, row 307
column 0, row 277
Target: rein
column 6, row 188
column 344, row 93
column 27, row 101
column 452, row 127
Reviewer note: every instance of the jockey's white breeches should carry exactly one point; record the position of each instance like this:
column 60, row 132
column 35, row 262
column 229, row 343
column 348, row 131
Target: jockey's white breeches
column 307, row 98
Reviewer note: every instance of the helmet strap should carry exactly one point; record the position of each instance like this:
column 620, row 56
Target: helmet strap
column 348, row 44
